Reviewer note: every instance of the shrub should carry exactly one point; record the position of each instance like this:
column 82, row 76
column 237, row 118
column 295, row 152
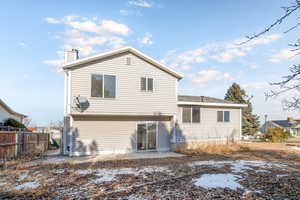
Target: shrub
column 13, row 123
column 276, row 135
column 209, row 148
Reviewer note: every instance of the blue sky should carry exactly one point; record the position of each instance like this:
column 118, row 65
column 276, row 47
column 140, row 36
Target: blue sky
column 196, row 38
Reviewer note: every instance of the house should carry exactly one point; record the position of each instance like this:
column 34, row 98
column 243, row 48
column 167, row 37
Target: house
column 291, row 125
column 124, row 101
column 6, row 112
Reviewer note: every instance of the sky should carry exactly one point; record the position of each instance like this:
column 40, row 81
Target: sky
column 199, row 39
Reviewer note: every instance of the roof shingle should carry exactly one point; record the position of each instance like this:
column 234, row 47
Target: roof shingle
column 202, row 99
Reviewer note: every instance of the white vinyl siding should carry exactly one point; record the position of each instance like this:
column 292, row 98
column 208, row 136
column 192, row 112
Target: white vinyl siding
column 115, row 134
column 209, row 129
column 129, row 98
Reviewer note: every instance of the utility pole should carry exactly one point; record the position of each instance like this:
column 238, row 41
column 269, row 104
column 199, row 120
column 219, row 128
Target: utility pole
column 265, row 128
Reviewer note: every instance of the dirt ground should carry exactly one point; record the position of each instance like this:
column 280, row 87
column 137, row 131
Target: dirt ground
column 254, row 171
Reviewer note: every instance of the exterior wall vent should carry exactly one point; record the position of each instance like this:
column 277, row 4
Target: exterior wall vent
column 128, row 61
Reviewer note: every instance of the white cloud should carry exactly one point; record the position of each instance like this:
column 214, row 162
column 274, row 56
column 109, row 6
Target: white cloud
column 55, row 64
column 52, row 20
column 22, row 45
column 146, row 40
column 88, row 35
column 124, row 12
column 202, row 77
column 257, row 85
column 221, row 52
column 141, row 3
column 284, row 54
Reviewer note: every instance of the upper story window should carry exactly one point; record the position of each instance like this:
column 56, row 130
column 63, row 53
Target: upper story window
column 223, row 116
column 146, row 84
column 103, row 86
column 191, row 114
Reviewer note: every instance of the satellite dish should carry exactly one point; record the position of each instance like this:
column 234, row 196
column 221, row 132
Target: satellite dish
column 81, row 103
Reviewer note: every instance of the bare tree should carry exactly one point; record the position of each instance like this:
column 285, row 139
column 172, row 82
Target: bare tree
column 290, row 82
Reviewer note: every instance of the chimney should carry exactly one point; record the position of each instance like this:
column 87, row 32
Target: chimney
column 71, row 55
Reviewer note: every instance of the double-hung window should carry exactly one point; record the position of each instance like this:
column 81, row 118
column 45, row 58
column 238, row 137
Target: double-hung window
column 103, row 86
column 191, row 114
column 146, row 84
column 223, row 116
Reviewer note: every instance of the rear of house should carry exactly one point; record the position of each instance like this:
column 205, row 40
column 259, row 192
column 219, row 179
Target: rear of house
column 124, row 101
column 6, row 113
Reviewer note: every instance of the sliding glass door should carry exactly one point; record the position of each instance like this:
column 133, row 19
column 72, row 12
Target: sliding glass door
column 146, row 136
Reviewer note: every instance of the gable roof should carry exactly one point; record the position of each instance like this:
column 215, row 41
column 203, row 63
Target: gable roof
column 206, row 101
column 286, row 123
column 119, row 51
column 8, row 109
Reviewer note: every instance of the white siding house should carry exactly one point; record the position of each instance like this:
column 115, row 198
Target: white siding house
column 124, row 101
column 6, row 112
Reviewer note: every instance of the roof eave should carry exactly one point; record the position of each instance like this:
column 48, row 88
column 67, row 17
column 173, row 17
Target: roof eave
column 212, row 104
column 69, row 65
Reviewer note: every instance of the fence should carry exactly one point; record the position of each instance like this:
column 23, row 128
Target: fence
column 15, row 144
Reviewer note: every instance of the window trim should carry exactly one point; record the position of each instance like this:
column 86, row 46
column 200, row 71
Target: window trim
column 223, row 116
column 147, row 78
column 191, row 109
column 109, row 98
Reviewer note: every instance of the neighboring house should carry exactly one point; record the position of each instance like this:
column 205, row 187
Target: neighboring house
column 123, row 101
column 291, row 125
column 6, row 112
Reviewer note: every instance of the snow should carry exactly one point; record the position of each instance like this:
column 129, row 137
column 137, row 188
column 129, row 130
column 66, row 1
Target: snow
column 2, row 184
column 84, row 171
column 237, row 166
column 108, row 175
column 23, row 176
column 28, row 185
column 296, row 148
column 134, row 197
column 209, row 181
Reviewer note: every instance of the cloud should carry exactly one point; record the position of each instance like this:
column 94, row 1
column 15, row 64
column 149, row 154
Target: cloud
column 204, row 76
column 124, row 12
column 284, row 54
column 257, row 85
column 22, row 45
column 221, row 52
column 55, row 64
column 88, row 35
column 51, row 20
column 146, row 40
column 141, row 3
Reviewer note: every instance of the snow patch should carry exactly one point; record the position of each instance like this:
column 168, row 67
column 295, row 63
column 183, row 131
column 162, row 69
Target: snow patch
column 296, row 148
column 134, row 197
column 238, row 165
column 28, row 185
column 209, row 181
column 2, row 184
column 23, row 176
column 108, row 175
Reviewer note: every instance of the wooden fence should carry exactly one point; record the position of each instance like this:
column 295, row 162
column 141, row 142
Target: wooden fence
column 15, row 144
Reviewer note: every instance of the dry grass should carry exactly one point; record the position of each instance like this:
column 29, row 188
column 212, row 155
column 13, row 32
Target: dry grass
column 211, row 148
